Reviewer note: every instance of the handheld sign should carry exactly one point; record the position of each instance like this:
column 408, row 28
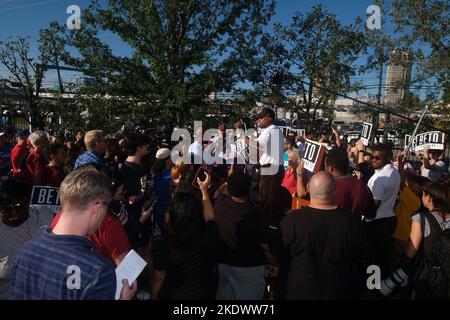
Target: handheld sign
column 285, row 130
column 366, row 132
column 129, row 268
column 432, row 139
column 415, row 130
column 242, row 149
column 241, row 145
column 409, row 145
column 45, row 197
column 299, row 132
column 313, row 155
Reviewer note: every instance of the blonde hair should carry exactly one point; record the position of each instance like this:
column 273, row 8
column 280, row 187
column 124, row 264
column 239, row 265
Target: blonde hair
column 83, row 186
column 295, row 155
column 91, row 138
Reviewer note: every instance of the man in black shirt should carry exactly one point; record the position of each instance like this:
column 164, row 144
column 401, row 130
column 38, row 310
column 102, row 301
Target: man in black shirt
column 138, row 230
column 324, row 244
column 244, row 233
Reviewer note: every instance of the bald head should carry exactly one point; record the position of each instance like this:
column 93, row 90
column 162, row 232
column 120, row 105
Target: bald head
column 322, row 187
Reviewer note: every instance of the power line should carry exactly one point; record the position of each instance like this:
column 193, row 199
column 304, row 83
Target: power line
column 29, row 5
column 381, row 108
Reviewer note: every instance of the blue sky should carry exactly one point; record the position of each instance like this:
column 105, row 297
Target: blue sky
column 27, row 17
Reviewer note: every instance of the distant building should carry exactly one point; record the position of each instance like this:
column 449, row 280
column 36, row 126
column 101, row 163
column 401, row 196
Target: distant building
column 85, row 82
column 398, row 78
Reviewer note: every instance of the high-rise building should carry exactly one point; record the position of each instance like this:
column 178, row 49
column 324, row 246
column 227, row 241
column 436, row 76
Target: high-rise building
column 398, row 77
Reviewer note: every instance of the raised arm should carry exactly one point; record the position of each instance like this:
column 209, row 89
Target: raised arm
column 208, row 209
column 361, row 148
column 336, row 135
column 401, row 169
column 301, row 173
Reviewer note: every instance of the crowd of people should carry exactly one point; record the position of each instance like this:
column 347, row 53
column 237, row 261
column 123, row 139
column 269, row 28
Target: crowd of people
column 223, row 230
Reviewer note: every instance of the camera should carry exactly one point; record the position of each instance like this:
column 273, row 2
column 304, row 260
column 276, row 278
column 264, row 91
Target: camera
column 397, row 278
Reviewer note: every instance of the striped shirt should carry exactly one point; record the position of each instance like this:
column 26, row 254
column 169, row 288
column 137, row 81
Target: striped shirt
column 61, row 267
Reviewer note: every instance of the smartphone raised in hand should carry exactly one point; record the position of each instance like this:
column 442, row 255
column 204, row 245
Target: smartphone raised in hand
column 201, row 173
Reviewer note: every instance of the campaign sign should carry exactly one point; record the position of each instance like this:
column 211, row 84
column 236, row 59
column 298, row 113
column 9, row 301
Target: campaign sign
column 300, row 132
column 313, row 155
column 366, row 132
column 242, row 149
column 241, row 145
column 432, row 140
column 287, row 130
column 47, row 197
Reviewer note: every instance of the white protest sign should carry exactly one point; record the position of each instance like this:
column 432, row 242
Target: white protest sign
column 366, row 133
column 288, row 130
column 129, row 268
column 313, row 155
column 431, row 139
column 242, row 149
column 45, row 197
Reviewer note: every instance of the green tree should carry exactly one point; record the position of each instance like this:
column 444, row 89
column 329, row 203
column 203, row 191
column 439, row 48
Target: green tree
column 28, row 73
column 307, row 61
column 424, row 28
column 180, row 50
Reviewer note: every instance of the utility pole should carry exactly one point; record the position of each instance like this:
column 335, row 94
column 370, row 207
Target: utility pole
column 376, row 114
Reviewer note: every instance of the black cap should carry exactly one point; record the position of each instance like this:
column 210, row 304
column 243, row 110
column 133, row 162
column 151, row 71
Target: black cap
column 266, row 112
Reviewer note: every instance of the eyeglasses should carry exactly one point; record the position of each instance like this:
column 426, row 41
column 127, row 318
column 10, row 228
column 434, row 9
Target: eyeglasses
column 375, row 158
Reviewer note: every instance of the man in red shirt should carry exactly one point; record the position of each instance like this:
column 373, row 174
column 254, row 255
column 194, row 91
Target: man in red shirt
column 351, row 193
column 53, row 174
column 19, row 156
column 37, row 159
column 110, row 239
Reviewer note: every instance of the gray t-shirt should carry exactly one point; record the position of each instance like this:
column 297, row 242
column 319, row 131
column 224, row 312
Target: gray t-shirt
column 12, row 239
column 444, row 224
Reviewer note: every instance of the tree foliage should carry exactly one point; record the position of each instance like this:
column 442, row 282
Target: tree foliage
column 305, row 63
column 178, row 49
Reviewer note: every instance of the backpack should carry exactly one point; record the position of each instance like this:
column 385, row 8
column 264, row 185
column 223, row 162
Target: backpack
column 436, row 253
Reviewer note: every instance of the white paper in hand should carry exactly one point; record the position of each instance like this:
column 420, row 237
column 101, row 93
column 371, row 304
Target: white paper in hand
column 130, row 268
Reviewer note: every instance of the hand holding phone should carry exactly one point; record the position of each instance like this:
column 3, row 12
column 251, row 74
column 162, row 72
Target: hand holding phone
column 201, row 176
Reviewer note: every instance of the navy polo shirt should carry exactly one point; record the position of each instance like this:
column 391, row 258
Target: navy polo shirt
column 61, row 267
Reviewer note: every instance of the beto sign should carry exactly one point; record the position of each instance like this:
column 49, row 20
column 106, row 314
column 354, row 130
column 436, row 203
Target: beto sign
column 432, row 139
column 47, row 197
column 313, row 155
column 366, row 132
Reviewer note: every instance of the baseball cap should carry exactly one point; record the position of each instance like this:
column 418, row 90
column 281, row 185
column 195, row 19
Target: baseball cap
column 163, row 153
column 266, row 112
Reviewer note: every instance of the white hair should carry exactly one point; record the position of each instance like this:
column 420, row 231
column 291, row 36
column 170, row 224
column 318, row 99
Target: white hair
column 37, row 136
